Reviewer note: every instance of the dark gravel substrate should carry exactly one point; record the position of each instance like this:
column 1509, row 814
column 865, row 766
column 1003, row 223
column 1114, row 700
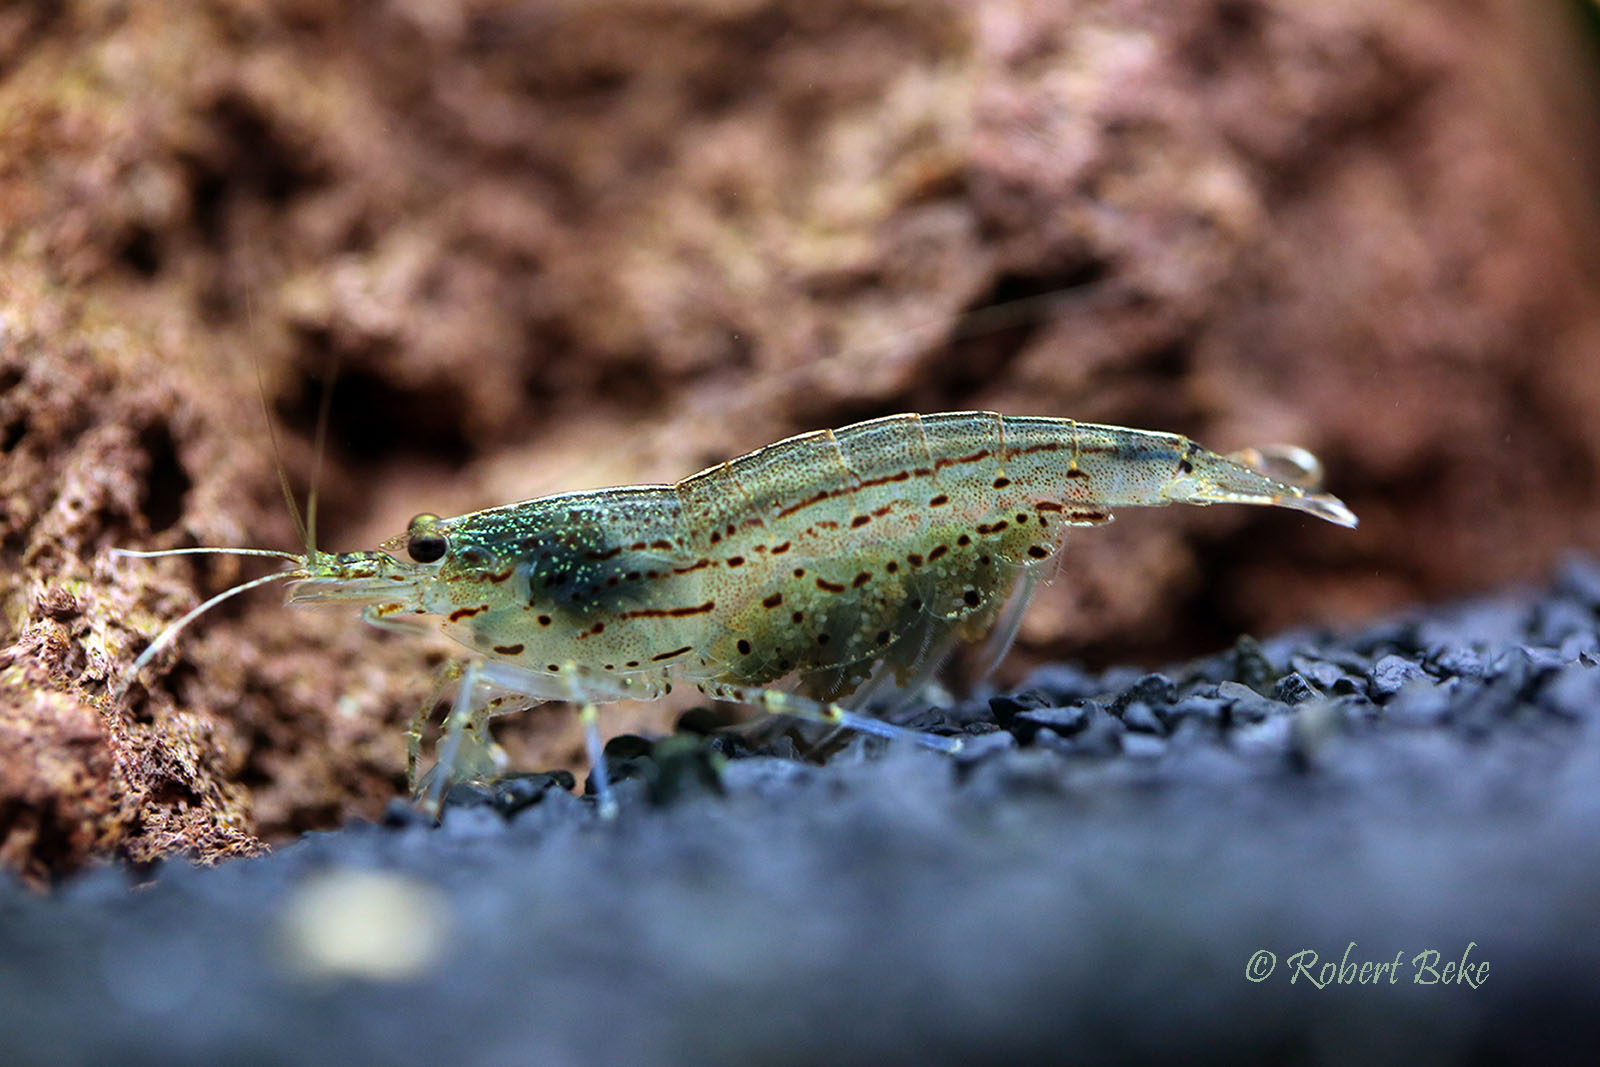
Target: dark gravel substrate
column 1092, row 880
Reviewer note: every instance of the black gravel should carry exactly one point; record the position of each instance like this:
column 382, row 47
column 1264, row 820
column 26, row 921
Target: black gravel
column 1094, row 877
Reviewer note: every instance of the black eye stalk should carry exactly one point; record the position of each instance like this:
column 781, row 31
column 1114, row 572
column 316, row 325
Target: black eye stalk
column 423, row 543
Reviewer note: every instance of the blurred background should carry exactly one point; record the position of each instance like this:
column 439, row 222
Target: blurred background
column 559, row 245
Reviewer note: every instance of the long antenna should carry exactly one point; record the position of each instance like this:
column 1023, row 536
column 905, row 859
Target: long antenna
column 164, row 638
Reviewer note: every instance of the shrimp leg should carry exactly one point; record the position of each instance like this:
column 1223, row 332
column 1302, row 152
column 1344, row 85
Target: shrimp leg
column 777, row 702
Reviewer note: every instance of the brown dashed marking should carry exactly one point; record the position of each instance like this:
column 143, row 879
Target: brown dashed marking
column 792, row 508
column 937, row 552
column 502, row 576
column 829, row 587
column 956, row 461
column 860, row 521
column 670, row 655
column 772, row 601
column 692, row 567
column 1038, row 553
column 915, row 559
column 939, row 501
column 611, row 553
column 778, row 550
column 1087, row 516
column 736, row 561
column 637, row 546
column 508, row 650
column 663, row 545
column 1048, row 505
column 1076, row 473
column 992, row 528
column 631, row 663
column 861, row 579
column 1001, row 482
column 676, row 613
column 467, row 613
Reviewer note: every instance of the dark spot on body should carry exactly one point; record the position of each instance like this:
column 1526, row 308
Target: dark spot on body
column 829, row 587
column 862, row 579
column 1037, row 552
column 1001, row 482
column 736, row 561
column 744, row 647
column 883, row 637
column 983, row 561
column 1076, row 473
column 859, row 521
column 552, row 668
column 467, row 613
column 971, row 597
column 772, row 601
column 716, row 536
column 1185, row 467
column 891, row 566
column 822, row 639
column 799, row 572
column 508, row 650
column 939, row 501
column 937, row 552
column 915, row 559
column 631, row 663
column 778, row 550
column 797, row 617
column 544, row 620
column 963, row 540
column 669, row 655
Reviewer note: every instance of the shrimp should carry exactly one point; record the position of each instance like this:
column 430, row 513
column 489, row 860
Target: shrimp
column 795, row 578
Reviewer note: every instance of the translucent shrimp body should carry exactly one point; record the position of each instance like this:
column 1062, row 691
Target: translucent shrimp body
column 783, row 578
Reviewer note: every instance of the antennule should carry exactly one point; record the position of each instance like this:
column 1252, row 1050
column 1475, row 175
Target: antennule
column 268, row 552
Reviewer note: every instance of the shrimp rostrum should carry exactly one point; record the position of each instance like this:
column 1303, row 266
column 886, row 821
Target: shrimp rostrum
column 795, row 579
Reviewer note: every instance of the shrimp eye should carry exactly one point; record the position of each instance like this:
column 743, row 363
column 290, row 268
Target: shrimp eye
column 422, row 544
column 426, row 548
